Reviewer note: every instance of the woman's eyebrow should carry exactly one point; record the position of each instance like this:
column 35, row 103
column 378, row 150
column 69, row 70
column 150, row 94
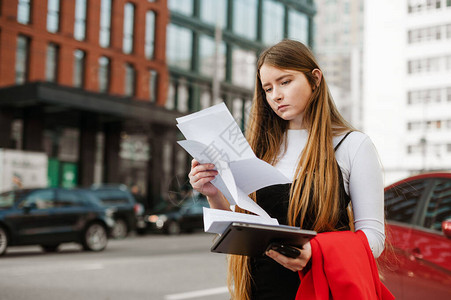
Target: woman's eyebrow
column 277, row 79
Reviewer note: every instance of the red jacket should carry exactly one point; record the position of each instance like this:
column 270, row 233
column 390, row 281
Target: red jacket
column 343, row 267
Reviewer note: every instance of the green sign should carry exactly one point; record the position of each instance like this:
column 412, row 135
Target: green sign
column 53, row 172
column 69, row 173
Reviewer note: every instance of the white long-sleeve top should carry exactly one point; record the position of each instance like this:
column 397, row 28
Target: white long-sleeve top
column 362, row 176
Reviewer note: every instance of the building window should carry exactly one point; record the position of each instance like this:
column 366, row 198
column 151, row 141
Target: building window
column 181, row 6
column 23, row 12
column 170, row 102
column 245, row 18
column 182, row 95
column 104, row 74
column 51, row 63
column 153, row 84
column 79, row 68
column 273, row 20
column 150, row 34
column 243, row 67
column 105, row 23
column 205, row 98
column 80, row 20
column 129, row 80
column 53, row 15
column 127, row 42
column 214, row 12
column 207, row 49
column 298, row 26
column 22, row 51
column 179, row 47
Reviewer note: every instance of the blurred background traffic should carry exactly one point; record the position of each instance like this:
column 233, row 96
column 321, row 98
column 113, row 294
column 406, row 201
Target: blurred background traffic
column 89, row 93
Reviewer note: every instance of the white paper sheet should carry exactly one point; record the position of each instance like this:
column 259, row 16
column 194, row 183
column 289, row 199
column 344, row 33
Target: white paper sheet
column 214, row 137
column 217, row 220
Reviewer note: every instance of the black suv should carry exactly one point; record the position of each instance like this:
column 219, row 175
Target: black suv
column 174, row 218
column 51, row 216
column 128, row 213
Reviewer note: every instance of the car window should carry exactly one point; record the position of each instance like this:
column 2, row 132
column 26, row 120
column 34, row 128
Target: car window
column 401, row 200
column 41, row 199
column 439, row 205
column 66, row 198
column 89, row 197
column 7, row 199
column 113, row 197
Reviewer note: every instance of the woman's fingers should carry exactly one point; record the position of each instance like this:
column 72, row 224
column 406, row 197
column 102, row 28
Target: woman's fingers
column 293, row 264
column 194, row 163
column 200, row 177
column 199, row 171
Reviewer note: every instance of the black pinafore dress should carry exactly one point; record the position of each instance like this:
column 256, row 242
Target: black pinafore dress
column 270, row 280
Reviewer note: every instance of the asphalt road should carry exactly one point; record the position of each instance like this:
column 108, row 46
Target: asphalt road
column 147, row 267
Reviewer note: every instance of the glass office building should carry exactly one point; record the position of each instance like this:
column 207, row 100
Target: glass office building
column 212, row 48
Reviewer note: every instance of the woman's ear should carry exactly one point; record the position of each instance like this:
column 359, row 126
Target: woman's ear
column 318, row 76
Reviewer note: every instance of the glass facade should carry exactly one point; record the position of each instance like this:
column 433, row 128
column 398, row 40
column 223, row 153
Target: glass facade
column 273, row 22
column 129, row 13
column 244, row 65
column 184, row 7
column 21, row 66
column 212, row 55
column 150, row 35
column 179, row 46
column 105, row 23
column 298, row 26
column 104, row 74
column 23, row 11
column 51, row 62
column 79, row 68
column 207, row 57
column 214, row 12
column 80, row 20
column 245, row 18
column 53, row 15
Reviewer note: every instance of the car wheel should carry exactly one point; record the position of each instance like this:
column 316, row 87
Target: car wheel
column 173, row 228
column 120, row 229
column 3, row 241
column 50, row 248
column 95, row 237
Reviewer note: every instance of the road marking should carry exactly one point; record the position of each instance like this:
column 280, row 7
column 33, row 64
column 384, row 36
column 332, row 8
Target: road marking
column 195, row 294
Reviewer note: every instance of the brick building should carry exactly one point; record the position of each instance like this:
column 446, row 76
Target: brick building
column 78, row 79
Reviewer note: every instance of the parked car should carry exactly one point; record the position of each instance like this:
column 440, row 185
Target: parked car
column 52, row 216
column 417, row 261
column 128, row 213
column 172, row 218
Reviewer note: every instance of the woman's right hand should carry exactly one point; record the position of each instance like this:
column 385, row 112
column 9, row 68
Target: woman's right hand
column 200, row 177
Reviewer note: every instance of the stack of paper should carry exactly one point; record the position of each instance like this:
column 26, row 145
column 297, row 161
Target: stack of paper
column 213, row 136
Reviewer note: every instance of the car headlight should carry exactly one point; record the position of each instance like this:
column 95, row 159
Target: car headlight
column 156, row 218
column 159, row 220
column 109, row 212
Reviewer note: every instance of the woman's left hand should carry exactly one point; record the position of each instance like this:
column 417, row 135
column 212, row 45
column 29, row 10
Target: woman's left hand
column 293, row 264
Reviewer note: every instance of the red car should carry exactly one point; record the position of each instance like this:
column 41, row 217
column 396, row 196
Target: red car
column 416, row 263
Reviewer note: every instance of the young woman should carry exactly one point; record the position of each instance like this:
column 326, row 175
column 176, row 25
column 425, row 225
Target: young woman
column 295, row 126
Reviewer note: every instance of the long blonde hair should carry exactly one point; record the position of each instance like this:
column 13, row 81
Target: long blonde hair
column 317, row 172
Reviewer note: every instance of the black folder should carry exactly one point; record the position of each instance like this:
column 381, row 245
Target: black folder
column 252, row 239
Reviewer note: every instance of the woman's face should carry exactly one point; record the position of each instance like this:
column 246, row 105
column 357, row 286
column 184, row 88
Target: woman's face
column 287, row 92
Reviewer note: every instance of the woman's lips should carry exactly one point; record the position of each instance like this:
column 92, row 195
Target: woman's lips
column 282, row 107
